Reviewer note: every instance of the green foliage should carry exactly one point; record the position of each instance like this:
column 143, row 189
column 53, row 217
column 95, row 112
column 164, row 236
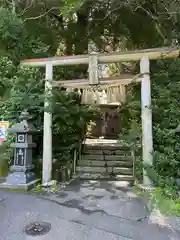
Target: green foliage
column 15, row 39
column 166, row 115
column 168, row 205
column 11, row 30
column 165, row 106
column 69, row 123
column 5, row 156
column 71, row 6
column 23, row 89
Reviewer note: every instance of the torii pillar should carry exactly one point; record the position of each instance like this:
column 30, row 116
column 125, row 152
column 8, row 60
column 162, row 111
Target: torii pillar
column 146, row 116
column 47, row 133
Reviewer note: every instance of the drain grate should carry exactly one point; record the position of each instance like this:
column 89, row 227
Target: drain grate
column 37, row 228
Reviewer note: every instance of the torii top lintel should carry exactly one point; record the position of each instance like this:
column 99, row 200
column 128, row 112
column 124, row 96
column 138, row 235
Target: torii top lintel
column 152, row 54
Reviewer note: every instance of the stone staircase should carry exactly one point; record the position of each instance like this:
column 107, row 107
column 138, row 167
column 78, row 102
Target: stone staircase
column 105, row 159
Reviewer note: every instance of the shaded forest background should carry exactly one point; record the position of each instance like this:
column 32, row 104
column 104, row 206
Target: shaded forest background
column 31, row 28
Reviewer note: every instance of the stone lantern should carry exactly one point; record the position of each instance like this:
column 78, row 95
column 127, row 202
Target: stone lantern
column 21, row 172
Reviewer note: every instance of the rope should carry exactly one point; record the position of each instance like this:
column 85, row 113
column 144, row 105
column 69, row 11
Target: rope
column 101, row 86
column 115, row 92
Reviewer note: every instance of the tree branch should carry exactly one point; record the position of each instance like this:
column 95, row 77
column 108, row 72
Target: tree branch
column 41, row 15
column 26, row 9
column 146, row 11
column 13, row 5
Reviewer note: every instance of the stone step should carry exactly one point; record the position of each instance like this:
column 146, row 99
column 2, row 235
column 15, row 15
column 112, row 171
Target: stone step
column 98, row 176
column 105, row 144
column 121, row 152
column 104, row 147
column 114, row 170
column 100, row 141
column 106, row 157
column 94, row 163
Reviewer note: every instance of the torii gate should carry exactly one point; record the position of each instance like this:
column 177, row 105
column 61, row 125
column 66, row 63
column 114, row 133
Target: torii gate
column 144, row 56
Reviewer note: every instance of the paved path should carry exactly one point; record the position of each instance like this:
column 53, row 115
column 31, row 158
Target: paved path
column 86, row 210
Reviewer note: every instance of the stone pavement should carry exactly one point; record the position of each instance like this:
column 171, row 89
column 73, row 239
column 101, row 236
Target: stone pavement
column 86, row 210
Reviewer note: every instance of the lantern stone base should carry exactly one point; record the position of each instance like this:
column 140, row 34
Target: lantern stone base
column 19, row 187
column 2, row 179
column 21, row 178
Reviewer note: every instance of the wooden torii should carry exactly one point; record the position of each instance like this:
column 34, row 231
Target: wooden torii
column 93, row 59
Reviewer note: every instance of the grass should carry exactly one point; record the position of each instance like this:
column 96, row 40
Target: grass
column 166, row 205
column 39, row 188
